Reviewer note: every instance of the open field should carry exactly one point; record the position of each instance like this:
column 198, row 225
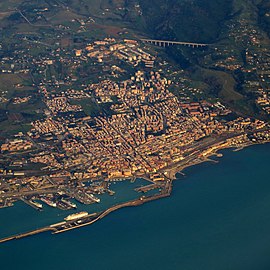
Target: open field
column 10, row 83
column 64, row 16
column 9, row 5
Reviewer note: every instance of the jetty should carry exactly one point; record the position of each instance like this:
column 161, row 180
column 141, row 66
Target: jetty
column 30, row 233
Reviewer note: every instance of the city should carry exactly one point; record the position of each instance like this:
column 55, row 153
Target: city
column 142, row 130
column 84, row 105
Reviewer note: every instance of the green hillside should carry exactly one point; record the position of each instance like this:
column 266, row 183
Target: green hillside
column 199, row 20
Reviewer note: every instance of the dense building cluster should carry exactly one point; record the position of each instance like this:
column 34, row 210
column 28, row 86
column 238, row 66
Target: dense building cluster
column 149, row 129
column 103, row 129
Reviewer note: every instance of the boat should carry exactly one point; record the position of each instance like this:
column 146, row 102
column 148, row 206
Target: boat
column 49, row 202
column 76, row 216
column 92, row 197
column 69, row 203
column 37, row 204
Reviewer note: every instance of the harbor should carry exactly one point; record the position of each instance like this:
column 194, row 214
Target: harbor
column 63, row 202
column 82, row 219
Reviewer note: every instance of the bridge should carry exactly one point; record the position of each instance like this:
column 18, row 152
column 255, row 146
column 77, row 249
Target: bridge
column 164, row 43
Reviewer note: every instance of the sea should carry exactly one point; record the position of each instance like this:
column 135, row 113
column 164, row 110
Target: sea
column 218, row 218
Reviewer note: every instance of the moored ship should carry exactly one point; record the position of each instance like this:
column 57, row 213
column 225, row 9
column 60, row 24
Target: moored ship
column 69, row 203
column 92, row 197
column 36, row 204
column 48, row 202
column 76, row 216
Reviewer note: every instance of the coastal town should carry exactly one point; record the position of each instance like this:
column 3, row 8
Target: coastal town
column 137, row 129
column 86, row 104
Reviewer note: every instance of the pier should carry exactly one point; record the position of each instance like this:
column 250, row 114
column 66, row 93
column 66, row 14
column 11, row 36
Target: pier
column 22, row 235
column 31, row 203
column 147, row 188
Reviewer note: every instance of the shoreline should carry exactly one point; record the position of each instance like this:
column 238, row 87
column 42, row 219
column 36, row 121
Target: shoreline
column 179, row 168
column 165, row 192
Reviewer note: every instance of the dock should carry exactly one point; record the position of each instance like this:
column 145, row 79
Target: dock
column 147, row 188
column 5, row 203
column 31, row 203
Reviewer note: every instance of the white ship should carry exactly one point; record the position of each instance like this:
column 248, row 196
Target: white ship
column 76, row 216
column 37, row 204
column 49, row 202
column 92, row 197
column 69, row 203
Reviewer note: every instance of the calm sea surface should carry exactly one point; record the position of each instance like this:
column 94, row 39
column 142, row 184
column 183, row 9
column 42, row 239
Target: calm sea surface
column 218, row 218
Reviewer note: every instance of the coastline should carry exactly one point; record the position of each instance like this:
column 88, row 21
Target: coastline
column 208, row 205
column 179, row 168
column 166, row 189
